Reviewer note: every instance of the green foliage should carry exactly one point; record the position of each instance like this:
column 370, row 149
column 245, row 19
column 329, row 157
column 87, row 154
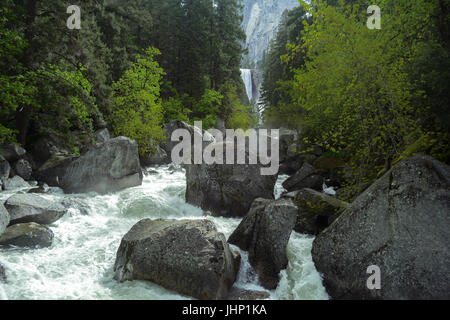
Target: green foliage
column 137, row 110
column 365, row 95
column 207, row 108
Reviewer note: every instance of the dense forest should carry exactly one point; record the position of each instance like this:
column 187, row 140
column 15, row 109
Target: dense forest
column 132, row 66
column 367, row 96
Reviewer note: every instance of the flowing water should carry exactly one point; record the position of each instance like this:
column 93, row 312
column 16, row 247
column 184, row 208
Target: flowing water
column 79, row 264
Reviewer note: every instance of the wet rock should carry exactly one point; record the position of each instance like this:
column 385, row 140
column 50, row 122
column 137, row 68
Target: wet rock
column 27, row 235
column 187, row 256
column 2, row 274
column 40, row 188
column 11, row 152
column 315, row 210
column 264, row 232
column 23, row 169
column 159, row 156
column 108, row 167
column 15, row 182
column 243, row 294
column 5, row 168
column 400, row 224
column 33, row 208
column 77, row 204
column 4, row 218
column 306, row 177
column 227, row 190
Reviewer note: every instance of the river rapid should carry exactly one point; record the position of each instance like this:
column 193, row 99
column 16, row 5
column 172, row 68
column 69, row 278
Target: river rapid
column 79, row 264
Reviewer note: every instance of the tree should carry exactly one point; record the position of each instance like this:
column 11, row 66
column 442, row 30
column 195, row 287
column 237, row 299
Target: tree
column 137, row 110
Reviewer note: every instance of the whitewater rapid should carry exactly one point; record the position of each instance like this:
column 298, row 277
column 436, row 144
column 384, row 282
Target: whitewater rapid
column 79, row 264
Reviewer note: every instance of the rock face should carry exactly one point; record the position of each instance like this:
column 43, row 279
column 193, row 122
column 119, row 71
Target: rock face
column 315, row 210
column 23, row 169
column 110, row 166
column 227, row 189
column 33, row 208
column 261, row 18
column 264, row 232
column 400, row 224
column 306, row 177
column 4, row 218
column 30, row 235
column 187, row 256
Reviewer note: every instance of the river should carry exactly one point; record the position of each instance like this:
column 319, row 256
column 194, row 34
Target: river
column 79, row 264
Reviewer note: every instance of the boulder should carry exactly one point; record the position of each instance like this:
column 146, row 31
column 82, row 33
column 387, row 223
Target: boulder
column 5, row 168
column 227, row 189
column 187, row 256
column 40, row 188
column 110, row 166
column 15, row 182
column 173, row 125
column 400, row 224
column 2, row 274
column 33, row 208
column 23, row 169
column 4, row 218
column 47, row 147
column 102, row 135
column 27, row 235
column 288, row 138
column 264, row 232
column 315, row 210
column 77, row 204
column 306, row 177
column 244, row 294
column 11, row 152
column 159, row 156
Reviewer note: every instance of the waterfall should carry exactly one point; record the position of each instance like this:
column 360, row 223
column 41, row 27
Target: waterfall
column 246, row 75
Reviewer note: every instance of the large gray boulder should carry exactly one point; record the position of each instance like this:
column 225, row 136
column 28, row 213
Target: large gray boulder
column 5, row 168
column 187, row 256
column 30, row 207
column 306, row 177
column 173, row 125
column 158, row 156
column 264, row 232
column 23, row 169
column 4, row 218
column 400, row 224
column 110, row 166
column 12, row 152
column 227, row 190
column 15, row 182
column 27, row 235
column 316, row 210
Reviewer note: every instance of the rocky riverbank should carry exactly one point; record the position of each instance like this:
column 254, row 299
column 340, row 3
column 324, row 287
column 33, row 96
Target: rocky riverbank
column 399, row 223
